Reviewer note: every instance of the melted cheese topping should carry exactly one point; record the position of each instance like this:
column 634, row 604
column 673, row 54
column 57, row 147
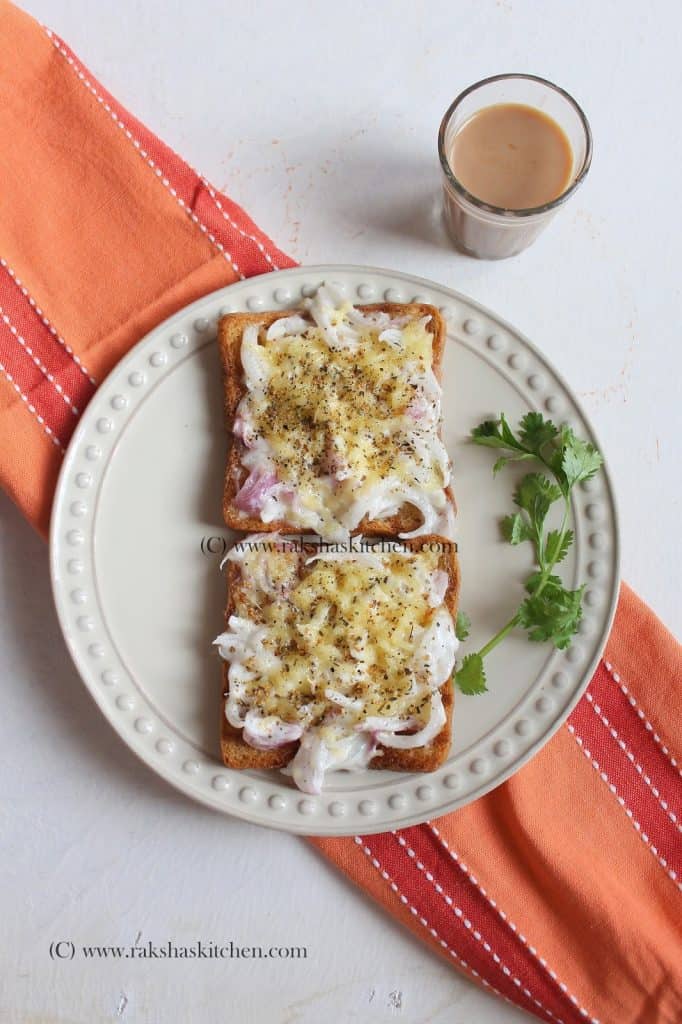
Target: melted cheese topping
column 344, row 651
column 342, row 416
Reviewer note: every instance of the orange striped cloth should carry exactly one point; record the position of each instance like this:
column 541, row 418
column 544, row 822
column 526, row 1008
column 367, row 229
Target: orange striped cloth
column 559, row 891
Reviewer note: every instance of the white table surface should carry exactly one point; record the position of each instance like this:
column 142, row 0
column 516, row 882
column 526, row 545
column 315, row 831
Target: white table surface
column 323, row 124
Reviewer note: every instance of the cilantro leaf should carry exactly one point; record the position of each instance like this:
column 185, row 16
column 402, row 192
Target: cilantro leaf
column 557, row 545
column 470, row 676
column 488, row 433
column 508, row 434
column 552, row 613
column 535, row 494
column 462, row 625
column 512, row 457
column 488, row 428
column 537, row 578
column 515, row 529
column 535, row 431
column 580, row 460
column 496, row 434
column 535, row 485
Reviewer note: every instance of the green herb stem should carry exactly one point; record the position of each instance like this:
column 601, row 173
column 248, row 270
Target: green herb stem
column 569, row 460
column 499, row 637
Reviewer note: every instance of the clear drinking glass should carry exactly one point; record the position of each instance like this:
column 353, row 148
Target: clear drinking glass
column 492, row 232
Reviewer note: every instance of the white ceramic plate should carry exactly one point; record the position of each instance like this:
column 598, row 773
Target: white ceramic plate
column 137, row 538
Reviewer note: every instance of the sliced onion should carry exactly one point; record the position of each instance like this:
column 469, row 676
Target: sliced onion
column 242, row 427
column 419, row 463
column 446, row 524
column 256, row 369
column 437, row 649
column 437, row 720
column 352, row 751
column 256, row 488
column 239, row 675
column 308, row 518
column 424, row 504
column 423, row 321
column 430, row 386
column 383, row 499
column 353, row 703
column 441, row 458
column 241, row 549
column 437, row 512
column 387, row 723
column 388, row 498
column 276, row 503
column 393, row 336
column 330, row 295
column 234, row 709
column 439, row 588
column 310, row 762
column 242, row 637
column 327, row 301
column 377, row 319
column 242, row 640
column 418, row 408
column 287, row 326
column 267, row 732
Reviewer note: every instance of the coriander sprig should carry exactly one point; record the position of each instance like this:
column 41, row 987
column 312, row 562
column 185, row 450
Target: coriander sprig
column 550, row 612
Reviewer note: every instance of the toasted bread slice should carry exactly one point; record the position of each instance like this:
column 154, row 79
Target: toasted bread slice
column 230, row 332
column 238, row 754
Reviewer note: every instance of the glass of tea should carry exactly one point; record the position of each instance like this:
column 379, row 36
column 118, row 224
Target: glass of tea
column 512, row 149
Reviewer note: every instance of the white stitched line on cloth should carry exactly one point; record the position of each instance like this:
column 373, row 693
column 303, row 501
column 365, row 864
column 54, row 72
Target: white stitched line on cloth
column 631, row 758
column 636, row 825
column 510, row 924
column 50, row 327
column 32, row 408
column 457, row 911
column 41, row 366
column 143, row 153
column 245, row 234
column 640, row 714
column 425, row 924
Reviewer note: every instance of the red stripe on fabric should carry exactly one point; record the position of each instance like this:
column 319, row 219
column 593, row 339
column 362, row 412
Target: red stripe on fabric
column 237, row 218
column 442, row 943
column 11, row 296
column 248, row 251
column 462, row 917
column 638, row 735
column 245, row 253
column 35, row 387
column 456, row 863
column 619, row 773
column 28, row 331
